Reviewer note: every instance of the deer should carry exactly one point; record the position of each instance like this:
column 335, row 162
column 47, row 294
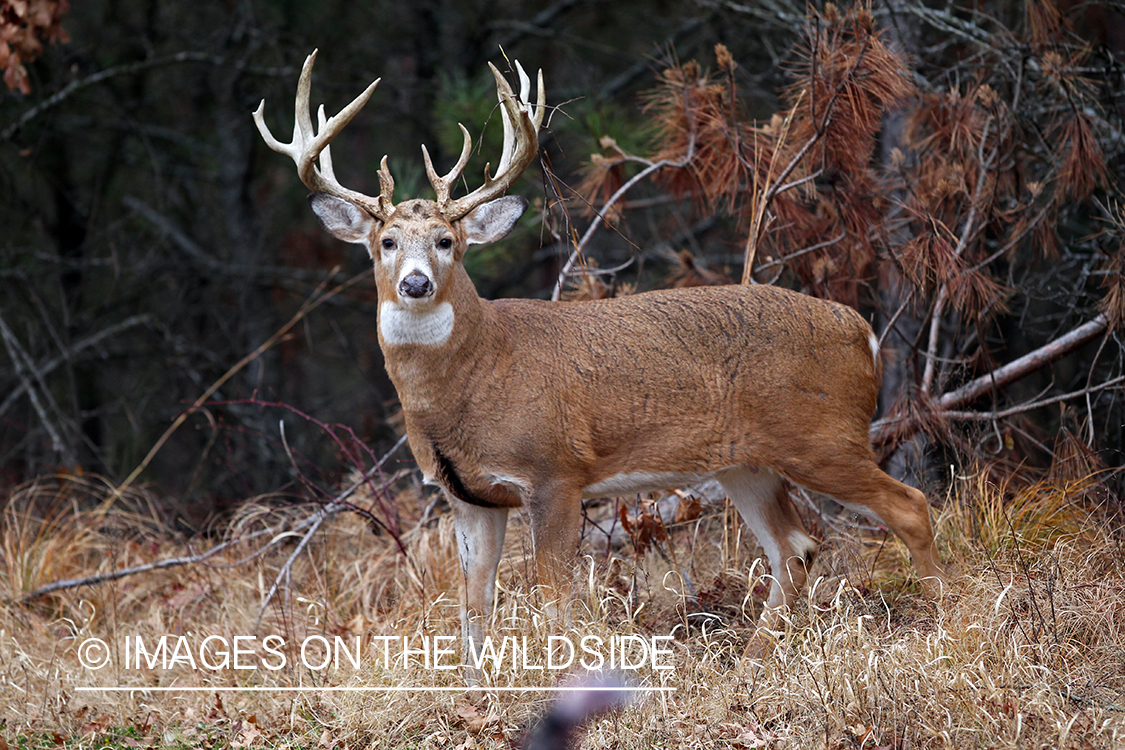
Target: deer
column 529, row 403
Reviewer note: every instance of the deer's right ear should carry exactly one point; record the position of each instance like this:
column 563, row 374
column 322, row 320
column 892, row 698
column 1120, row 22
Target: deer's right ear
column 342, row 219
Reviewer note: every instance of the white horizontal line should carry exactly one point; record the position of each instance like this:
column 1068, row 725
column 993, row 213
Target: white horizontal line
column 372, row 689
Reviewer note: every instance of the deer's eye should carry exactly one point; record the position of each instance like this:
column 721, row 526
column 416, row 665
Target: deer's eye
column 388, row 243
column 445, row 243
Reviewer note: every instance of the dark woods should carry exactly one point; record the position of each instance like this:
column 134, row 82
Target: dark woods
column 952, row 172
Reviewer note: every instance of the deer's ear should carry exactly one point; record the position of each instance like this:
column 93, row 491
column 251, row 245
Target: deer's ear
column 490, row 221
column 342, row 219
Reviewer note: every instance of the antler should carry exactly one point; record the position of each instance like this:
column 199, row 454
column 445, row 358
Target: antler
column 307, row 146
column 521, row 142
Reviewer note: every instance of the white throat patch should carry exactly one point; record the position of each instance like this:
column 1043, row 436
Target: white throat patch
column 402, row 326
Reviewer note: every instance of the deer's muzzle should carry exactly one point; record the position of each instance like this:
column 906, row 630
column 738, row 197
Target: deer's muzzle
column 416, row 285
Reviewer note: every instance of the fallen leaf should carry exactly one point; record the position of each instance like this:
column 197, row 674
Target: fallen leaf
column 689, row 508
column 188, row 595
column 474, row 720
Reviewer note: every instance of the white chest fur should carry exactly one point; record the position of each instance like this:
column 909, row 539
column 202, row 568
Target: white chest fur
column 402, row 326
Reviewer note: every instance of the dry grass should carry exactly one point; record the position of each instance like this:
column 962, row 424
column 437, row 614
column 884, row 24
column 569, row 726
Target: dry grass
column 1027, row 648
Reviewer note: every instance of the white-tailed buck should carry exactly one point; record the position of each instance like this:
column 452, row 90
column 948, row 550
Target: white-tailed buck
column 527, row 402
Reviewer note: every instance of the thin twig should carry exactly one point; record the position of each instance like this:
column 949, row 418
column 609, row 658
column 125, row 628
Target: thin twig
column 200, row 256
column 804, row 251
column 26, row 371
column 333, row 507
column 391, row 524
column 564, row 273
column 962, row 243
column 778, row 185
column 81, row 83
column 894, row 319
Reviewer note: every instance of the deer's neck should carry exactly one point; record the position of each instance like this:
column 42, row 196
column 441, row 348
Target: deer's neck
column 433, row 356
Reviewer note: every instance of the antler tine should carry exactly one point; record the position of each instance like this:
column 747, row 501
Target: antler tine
column 521, row 120
column 505, row 96
column 442, row 185
column 540, row 103
column 309, row 146
column 535, row 113
column 325, row 154
column 386, row 189
column 302, row 123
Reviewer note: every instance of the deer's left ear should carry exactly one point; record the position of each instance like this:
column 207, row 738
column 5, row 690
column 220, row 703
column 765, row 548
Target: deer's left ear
column 490, row 221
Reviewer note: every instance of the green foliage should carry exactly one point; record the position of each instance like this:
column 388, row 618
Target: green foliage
column 612, row 119
column 471, row 100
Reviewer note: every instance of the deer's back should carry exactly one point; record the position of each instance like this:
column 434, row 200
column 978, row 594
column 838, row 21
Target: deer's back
column 725, row 372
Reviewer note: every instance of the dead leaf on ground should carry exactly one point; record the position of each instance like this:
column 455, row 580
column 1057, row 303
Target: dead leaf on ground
column 474, row 719
column 689, row 508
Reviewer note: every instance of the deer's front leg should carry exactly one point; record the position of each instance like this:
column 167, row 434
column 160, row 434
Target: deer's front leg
column 480, row 540
column 556, row 524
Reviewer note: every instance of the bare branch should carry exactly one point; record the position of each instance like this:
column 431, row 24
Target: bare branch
column 314, row 521
column 92, row 340
column 1025, row 365
column 994, row 381
column 156, row 565
column 962, row 243
column 803, row 251
column 119, row 70
column 576, row 253
column 778, row 185
column 26, row 371
column 277, row 534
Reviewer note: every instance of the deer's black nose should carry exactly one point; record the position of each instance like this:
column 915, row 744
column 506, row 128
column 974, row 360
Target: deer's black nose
column 416, row 284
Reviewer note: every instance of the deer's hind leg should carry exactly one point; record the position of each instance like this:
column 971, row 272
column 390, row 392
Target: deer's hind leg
column 858, row 482
column 764, row 504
